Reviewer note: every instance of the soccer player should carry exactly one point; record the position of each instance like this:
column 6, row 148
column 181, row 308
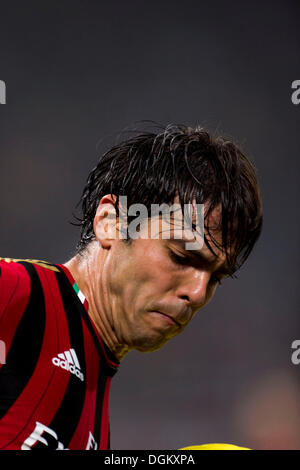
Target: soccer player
column 66, row 327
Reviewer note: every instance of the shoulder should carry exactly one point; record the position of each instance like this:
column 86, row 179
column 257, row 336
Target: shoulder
column 16, row 279
column 12, row 269
column 13, row 277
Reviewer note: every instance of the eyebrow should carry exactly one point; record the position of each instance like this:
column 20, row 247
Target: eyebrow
column 223, row 268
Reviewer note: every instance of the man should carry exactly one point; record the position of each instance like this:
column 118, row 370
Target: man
column 67, row 327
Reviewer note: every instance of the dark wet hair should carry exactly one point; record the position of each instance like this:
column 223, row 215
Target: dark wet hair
column 177, row 160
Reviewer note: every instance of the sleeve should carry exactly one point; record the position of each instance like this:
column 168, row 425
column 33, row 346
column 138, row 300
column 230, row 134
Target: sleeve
column 15, row 286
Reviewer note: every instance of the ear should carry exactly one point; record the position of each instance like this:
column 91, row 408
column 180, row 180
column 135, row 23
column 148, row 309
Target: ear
column 105, row 221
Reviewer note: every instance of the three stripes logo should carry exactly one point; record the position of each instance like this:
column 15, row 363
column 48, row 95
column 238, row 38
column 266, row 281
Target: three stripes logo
column 68, row 360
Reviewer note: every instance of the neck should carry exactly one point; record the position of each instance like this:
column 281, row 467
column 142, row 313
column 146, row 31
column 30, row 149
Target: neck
column 91, row 282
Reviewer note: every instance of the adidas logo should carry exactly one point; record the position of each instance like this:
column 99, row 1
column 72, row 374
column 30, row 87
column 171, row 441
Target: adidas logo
column 69, row 361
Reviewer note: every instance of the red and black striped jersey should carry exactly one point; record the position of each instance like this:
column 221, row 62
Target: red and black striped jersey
column 56, row 374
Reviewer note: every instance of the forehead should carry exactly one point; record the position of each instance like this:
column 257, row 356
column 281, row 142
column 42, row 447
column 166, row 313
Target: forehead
column 196, row 224
column 191, row 236
column 214, row 217
column 194, row 218
column 165, row 221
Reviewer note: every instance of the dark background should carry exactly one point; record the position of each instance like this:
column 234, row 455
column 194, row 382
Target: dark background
column 78, row 71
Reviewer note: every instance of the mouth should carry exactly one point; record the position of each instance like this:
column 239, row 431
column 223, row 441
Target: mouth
column 168, row 319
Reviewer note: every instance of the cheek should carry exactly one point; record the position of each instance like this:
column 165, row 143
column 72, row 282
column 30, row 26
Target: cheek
column 151, row 264
column 152, row 275
column 143, row 267
column 134, row 273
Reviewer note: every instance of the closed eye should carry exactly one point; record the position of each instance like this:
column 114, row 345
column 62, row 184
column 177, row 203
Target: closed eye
column 179, row 259
column 184, row 260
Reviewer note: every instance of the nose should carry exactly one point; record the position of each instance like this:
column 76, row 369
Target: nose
column 194, row 289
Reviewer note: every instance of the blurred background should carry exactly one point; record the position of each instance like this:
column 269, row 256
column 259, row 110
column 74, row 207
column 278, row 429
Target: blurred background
column 78, row 72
